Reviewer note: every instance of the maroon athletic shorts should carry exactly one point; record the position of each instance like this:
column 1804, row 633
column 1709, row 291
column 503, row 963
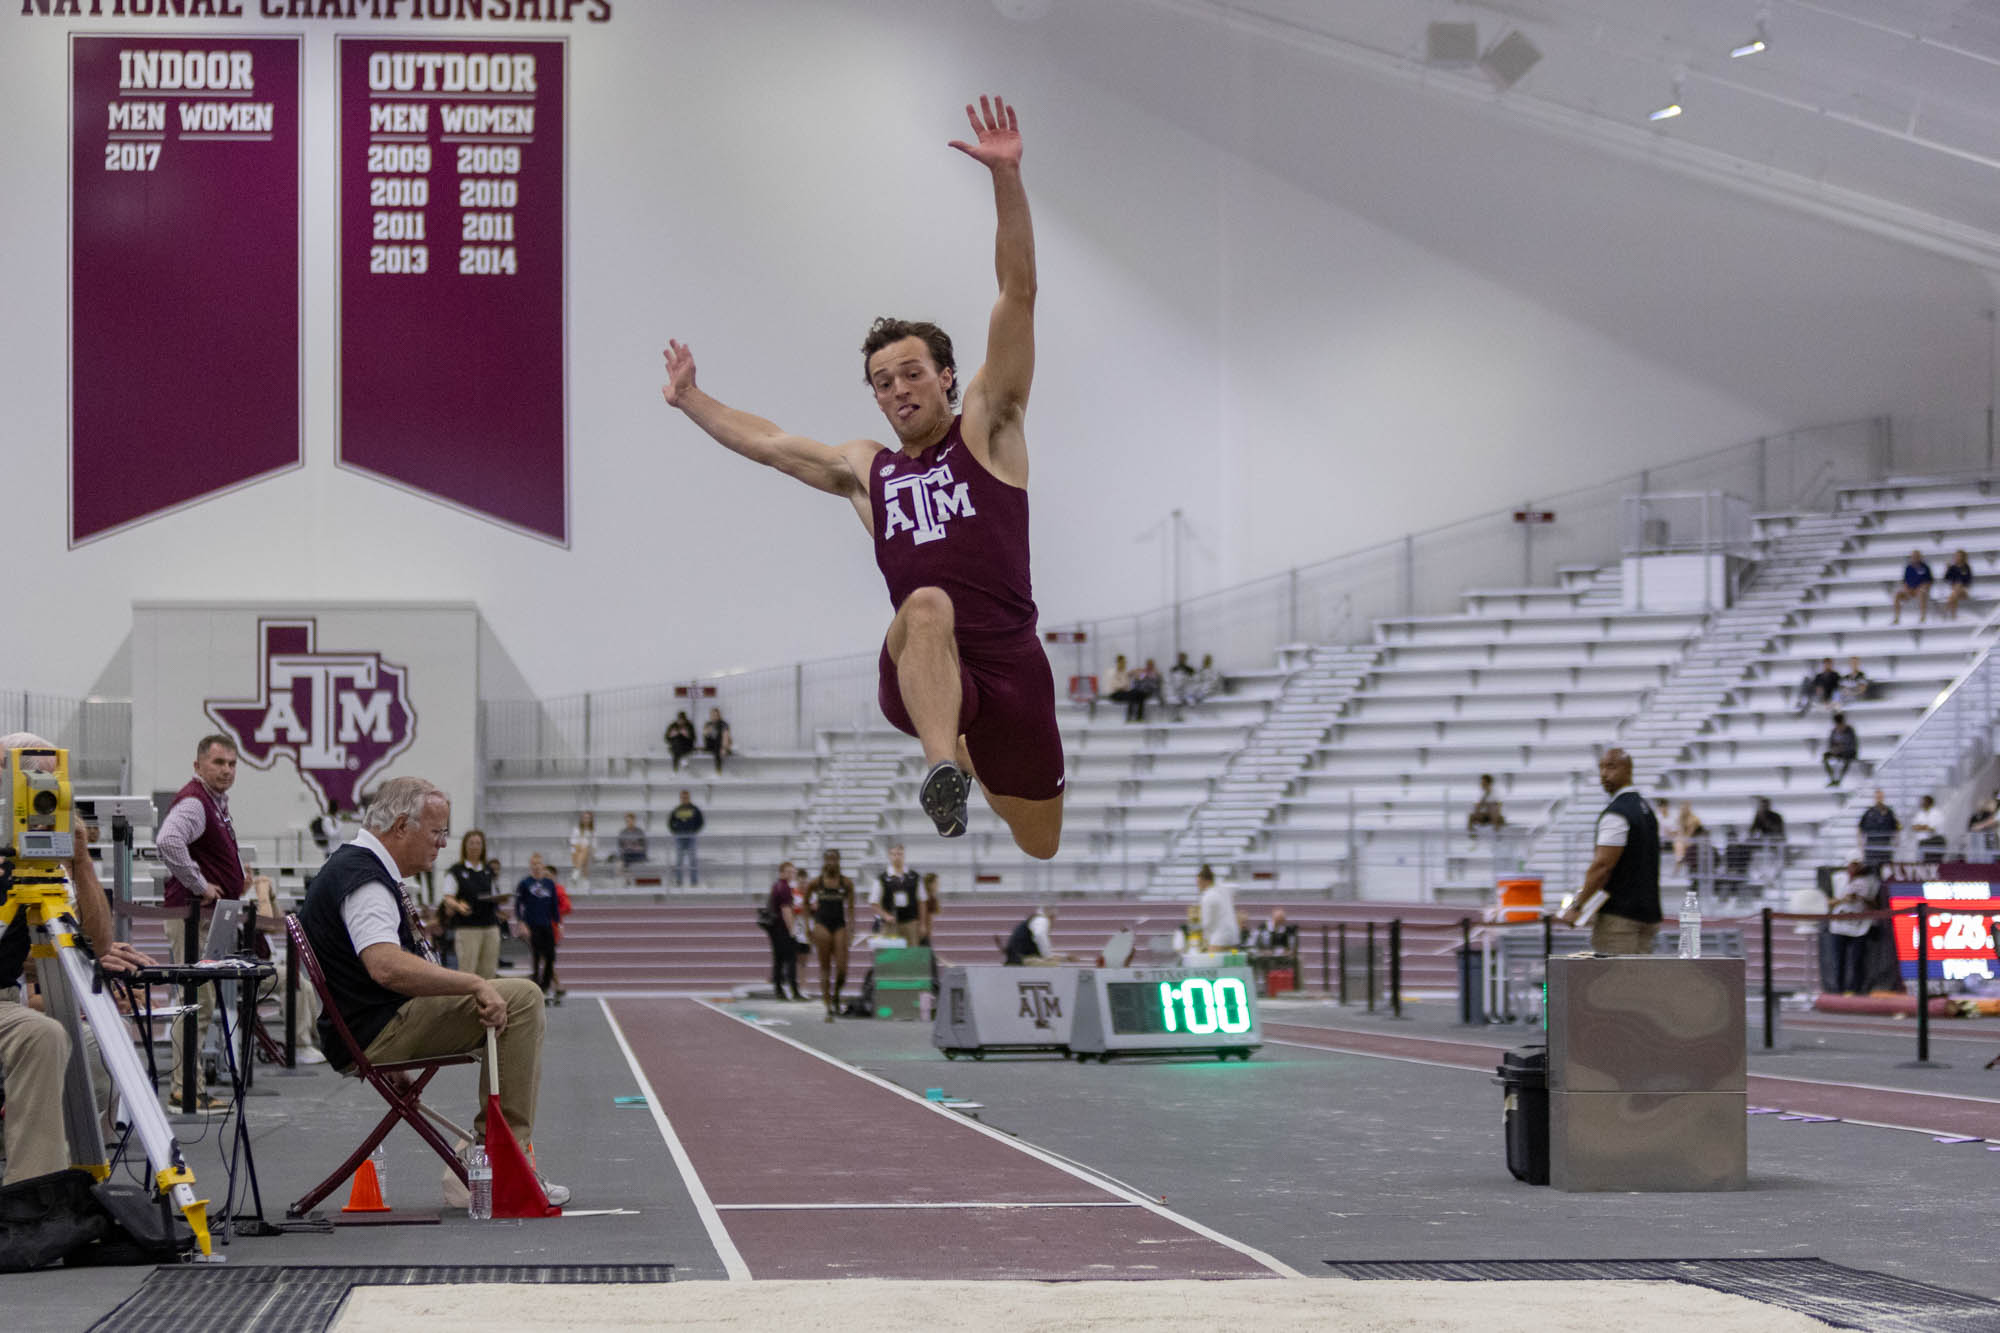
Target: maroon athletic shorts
column 1007, row 716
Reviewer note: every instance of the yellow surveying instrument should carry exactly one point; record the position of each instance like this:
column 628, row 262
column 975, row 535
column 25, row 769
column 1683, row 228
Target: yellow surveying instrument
column 35, row 850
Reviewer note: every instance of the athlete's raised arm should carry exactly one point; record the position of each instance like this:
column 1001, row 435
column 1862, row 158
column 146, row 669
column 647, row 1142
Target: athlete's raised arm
column 997, row 399
column 837, row 470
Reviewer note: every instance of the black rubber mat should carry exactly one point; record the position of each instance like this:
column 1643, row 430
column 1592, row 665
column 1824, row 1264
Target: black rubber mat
column 1843, row 1297
column 307, row 1297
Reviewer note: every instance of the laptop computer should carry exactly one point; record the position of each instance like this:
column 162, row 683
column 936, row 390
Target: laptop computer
column 225, row 932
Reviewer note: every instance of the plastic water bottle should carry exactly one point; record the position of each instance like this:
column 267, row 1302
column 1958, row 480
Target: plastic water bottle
column 479, row 1177
column 1691, row 925
column 380, row 1161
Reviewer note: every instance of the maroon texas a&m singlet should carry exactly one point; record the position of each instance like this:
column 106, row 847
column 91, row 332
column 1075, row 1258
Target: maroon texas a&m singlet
column 942, row 520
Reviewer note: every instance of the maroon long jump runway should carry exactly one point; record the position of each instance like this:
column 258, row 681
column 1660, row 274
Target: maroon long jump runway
column 817, row 1172
column 1928, row 1111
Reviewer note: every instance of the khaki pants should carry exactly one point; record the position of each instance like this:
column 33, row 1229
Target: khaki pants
column 479, row 950
column 305, row 1017
column 1618, row 934
column 449, row 1025
column 34, row 1055
column 911, row 931
column 204, row 999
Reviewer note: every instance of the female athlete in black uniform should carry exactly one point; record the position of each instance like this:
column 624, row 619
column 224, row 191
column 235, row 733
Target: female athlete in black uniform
column 832, row 897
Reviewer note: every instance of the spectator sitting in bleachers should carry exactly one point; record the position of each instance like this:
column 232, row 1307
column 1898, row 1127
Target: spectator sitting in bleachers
column 1485, row 812
column 1276, row 936
column 1767, row 824
column 1958, row 578
column 1180, row 679
column 680, row 738
column 1841, row 750
column 1819, row 687
column 716, row 738
column 631, row 842
column 1206, row 681
column 1118, row 685
column 1690, row 837
column 1145, row 685
column 1927, row 843
column 1916, row 587
column 1767, row 838
column 1877, row 829
column 1854, row 685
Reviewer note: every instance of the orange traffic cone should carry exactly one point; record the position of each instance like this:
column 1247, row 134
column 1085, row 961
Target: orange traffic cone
column 365, row 1194
column 517, row 1190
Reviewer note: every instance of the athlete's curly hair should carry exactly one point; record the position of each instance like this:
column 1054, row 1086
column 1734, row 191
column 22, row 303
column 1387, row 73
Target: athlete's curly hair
column 887, row 330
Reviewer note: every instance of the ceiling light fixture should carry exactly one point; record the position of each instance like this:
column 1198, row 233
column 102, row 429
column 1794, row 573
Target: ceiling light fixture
column 1760, row 42
column 1673, row 106
column 1509, row 59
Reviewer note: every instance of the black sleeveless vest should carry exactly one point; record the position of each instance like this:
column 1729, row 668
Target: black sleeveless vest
column 1021, row 944
column 364, row 1003
column 1634, row 887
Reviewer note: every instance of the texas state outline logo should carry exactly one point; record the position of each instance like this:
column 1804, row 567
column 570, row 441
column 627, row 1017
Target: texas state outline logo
column 340, row 717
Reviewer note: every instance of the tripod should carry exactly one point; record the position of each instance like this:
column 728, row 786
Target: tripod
column 71, row 988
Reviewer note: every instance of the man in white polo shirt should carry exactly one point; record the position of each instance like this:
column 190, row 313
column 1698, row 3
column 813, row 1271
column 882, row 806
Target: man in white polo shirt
column 397, row 1004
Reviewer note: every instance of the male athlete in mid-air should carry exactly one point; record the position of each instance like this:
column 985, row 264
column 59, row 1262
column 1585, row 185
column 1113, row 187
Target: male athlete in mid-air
column 961, row 668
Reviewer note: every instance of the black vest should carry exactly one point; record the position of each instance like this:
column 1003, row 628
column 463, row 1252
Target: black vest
column 1021, row 945
column 364, row 1003
column 473, row 886
column 902, row 895
column 1634, row 886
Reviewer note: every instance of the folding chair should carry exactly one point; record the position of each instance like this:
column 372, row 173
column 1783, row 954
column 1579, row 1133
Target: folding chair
column 400, row 1082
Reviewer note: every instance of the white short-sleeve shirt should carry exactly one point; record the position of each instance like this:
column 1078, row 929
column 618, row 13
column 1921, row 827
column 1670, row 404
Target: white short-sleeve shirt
column 371, row 912
column 1613, row 829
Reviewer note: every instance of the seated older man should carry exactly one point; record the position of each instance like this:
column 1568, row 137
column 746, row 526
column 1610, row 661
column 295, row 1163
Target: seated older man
column 398, row 1005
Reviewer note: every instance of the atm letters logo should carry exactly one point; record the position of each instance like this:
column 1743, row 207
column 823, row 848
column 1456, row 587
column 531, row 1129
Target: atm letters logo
column 1040, row 1002
column 340, row 717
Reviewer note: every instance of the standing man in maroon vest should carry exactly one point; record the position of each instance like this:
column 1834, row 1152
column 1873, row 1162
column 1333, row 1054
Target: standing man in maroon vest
column 198, row 846
column 961, row 667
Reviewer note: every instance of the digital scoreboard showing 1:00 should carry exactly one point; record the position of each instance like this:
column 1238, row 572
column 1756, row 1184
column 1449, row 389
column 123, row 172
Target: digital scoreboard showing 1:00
column 1197, row 1006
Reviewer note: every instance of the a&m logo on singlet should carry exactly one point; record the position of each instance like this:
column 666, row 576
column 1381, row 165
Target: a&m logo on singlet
column 923, row 503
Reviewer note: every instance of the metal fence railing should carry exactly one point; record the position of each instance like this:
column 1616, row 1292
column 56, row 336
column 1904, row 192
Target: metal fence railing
column 1330, row 601
column 96, row 732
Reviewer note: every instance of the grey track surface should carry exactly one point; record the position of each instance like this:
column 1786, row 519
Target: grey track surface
column 1311, row 1155
column 1316, row 1155
column 611, row 1157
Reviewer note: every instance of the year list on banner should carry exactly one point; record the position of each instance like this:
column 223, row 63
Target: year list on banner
column 452, row 377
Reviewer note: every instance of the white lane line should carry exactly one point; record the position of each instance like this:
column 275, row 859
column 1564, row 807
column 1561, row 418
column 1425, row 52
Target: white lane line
column 1875, row 1087
column 718, row 1235
column 1372, row 1055
column 874, row 1207
column 1843, row 1120
column 1276, row 1265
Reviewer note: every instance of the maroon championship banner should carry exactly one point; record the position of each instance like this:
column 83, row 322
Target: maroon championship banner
column 184, row 271
column 451, row 273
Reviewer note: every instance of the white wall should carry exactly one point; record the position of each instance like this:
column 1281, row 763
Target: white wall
column 1307, row 323
column 187, row 654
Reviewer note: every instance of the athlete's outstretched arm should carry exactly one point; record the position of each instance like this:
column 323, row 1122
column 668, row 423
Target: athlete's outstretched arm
column 1000, row 390
column 823, row 467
